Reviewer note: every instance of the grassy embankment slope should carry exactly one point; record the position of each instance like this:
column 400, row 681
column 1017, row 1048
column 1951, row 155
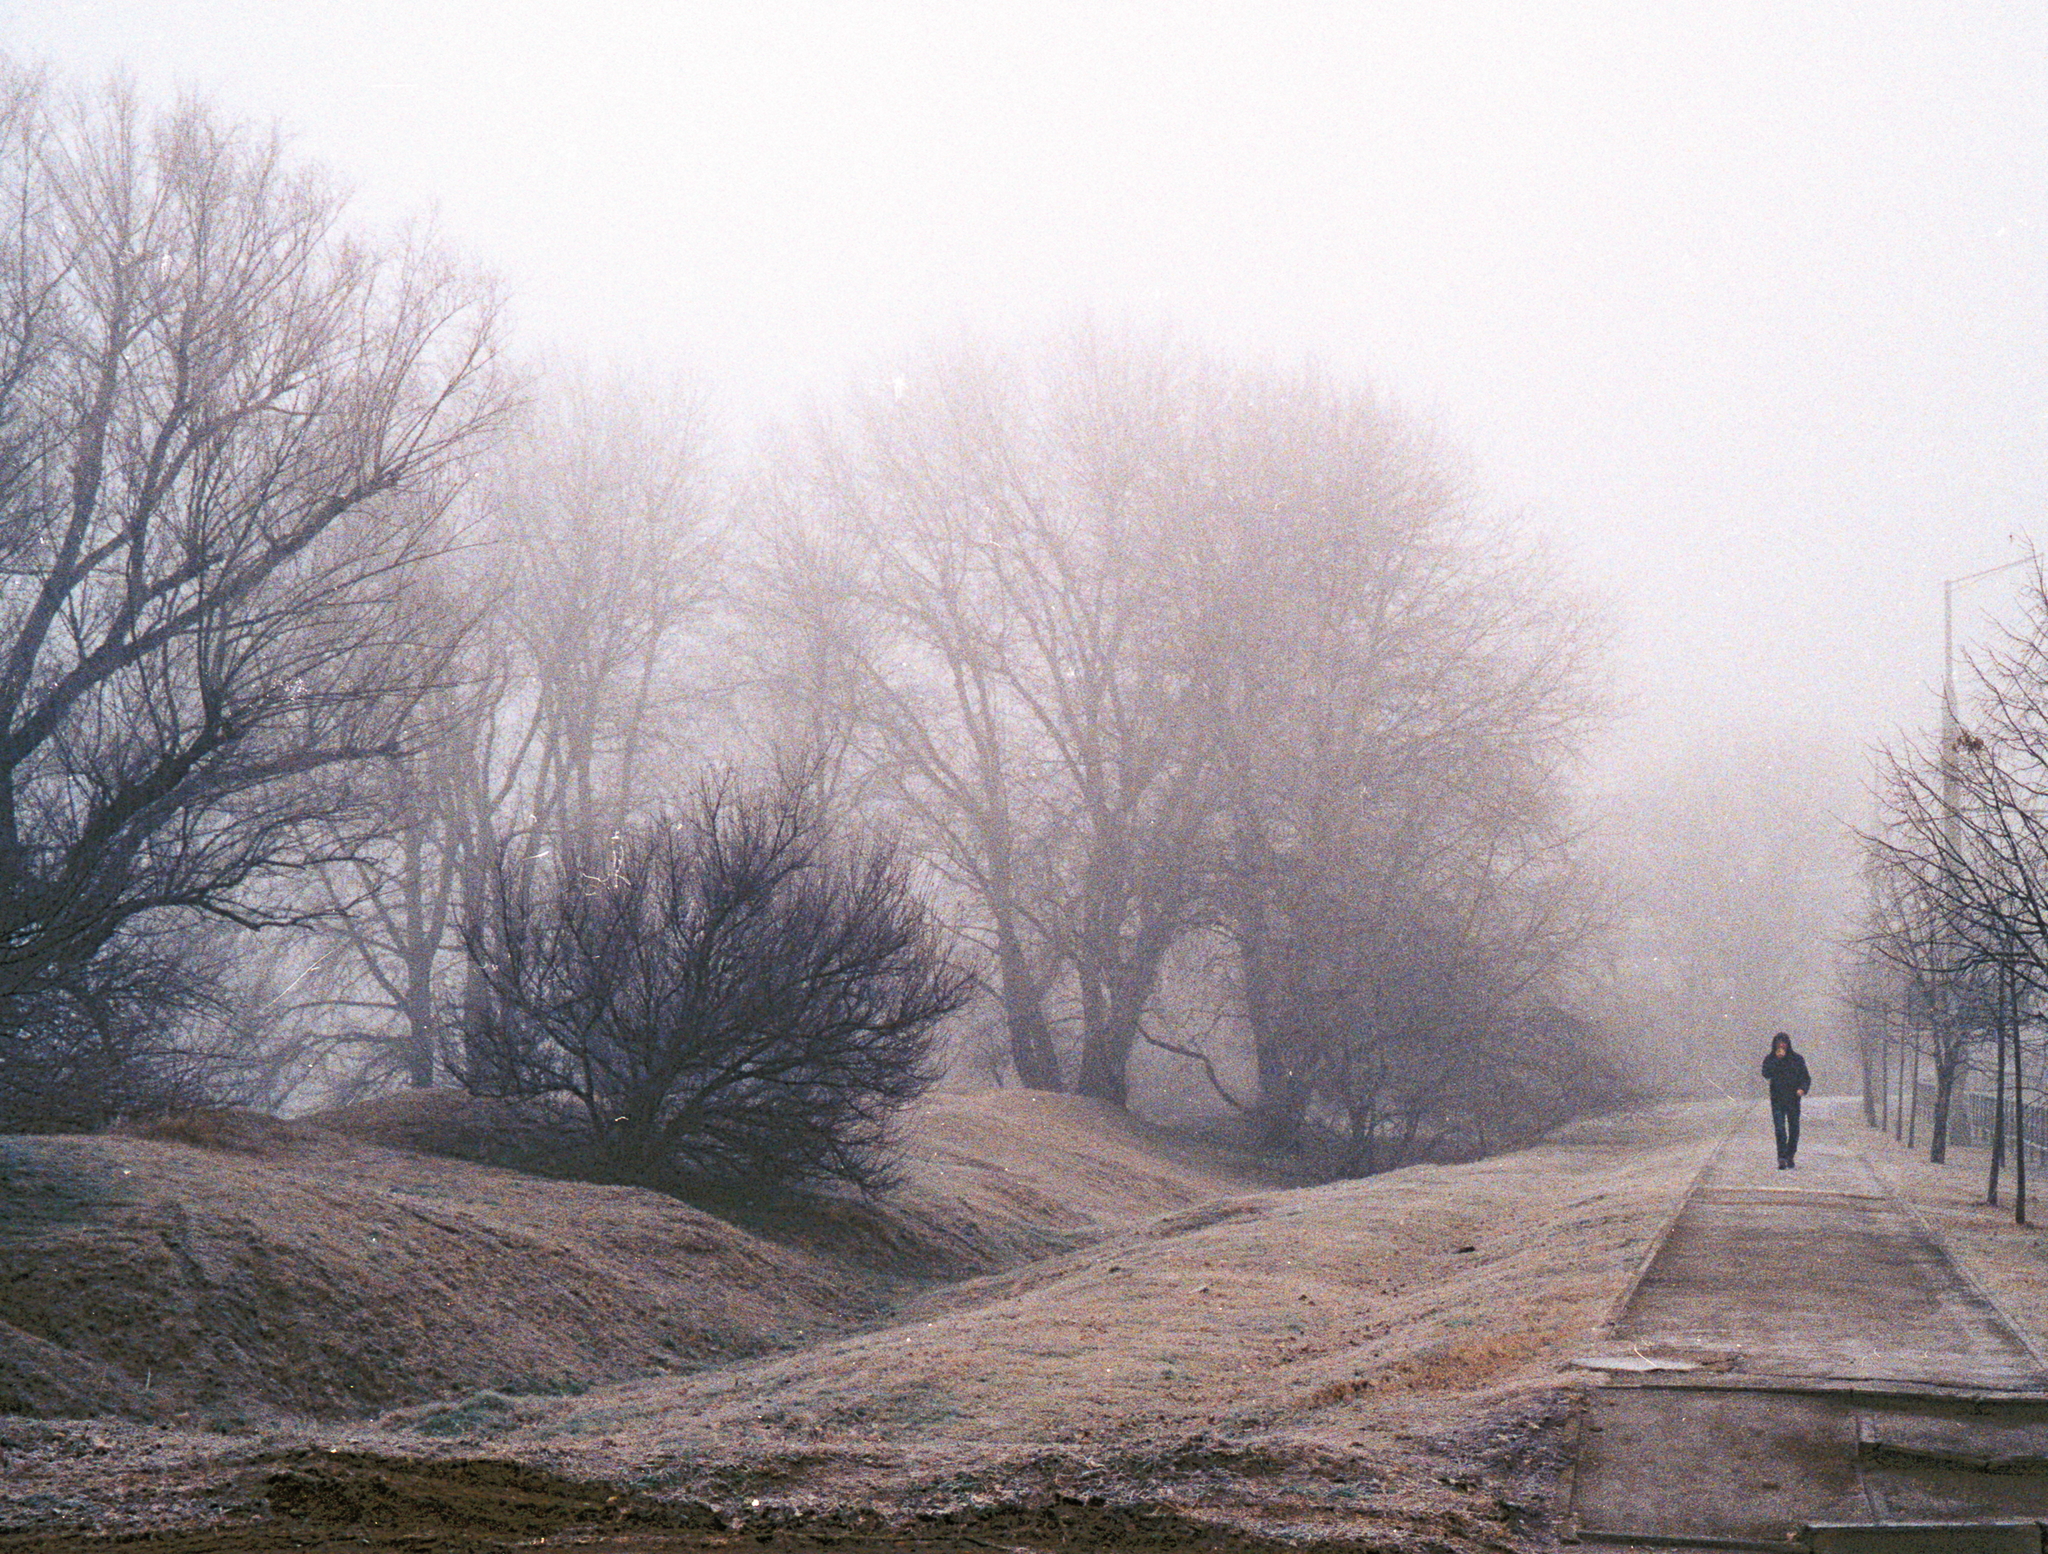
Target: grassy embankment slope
column 1056, row 1298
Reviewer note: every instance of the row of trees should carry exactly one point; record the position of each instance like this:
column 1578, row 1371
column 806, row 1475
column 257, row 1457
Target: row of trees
column 1214, row 705
column 1955, row 949
column 1183, row 715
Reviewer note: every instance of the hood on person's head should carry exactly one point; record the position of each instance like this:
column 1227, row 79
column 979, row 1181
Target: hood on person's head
column 1781, row 1044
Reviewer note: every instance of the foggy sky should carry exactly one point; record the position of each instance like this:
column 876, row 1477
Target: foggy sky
column 1741, row 306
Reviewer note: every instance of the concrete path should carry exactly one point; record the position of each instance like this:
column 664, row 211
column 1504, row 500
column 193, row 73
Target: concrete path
column 1840, row 1368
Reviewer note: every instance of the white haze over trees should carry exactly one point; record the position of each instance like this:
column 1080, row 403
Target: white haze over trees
column 1952, row 961
column 1731, row 869
column 1207, row 690
column 1239, row 742
column 228, row 438
column 1168, row 704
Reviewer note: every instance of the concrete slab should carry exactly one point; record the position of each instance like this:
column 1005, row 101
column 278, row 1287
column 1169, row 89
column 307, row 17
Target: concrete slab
column 1926, row 1538
column 1749, row 1466
column 1831, row 1278
column 2008, row 1441
column 1863, row 1381
column 1953, row 1462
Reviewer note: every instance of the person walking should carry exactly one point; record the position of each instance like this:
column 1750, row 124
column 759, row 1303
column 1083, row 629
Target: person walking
column 1789, row 1080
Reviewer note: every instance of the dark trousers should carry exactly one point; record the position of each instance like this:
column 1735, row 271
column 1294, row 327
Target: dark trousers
column 1785, row 1123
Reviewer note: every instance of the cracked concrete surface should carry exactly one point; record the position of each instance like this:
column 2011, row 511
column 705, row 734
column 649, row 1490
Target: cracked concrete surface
column 1848, row 1370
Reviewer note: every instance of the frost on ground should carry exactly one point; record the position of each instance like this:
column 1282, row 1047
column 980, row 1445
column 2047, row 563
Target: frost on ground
column 1059, row 1307
column 2008, row 1261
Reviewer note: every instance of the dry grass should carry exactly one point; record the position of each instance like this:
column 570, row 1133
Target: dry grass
column 1001, row 1178
column 152, row 1278
column 222, row 1264
column 2007, row 1260
column 1399, row 1305
column 1142, row 1319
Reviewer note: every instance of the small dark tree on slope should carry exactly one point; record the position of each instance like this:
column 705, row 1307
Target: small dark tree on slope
column 727, row 999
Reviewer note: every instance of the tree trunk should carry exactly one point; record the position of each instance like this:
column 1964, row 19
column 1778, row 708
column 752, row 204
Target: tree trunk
column 1112, row 1006
column 1279, row 1051
column 419, row 950
column 1899, row 1093
column 1912, row 1098
column 1104, row 1072
column 1105, row 1047
column 1023, row 998
column 2019, row 1133
column 1884, row 1084
column 1945, row 1069
column 1280, row 1048
column 1283, row 1087
column 1998, row 1086
column 420, row 1029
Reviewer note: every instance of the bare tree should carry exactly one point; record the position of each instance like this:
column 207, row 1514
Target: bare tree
column 227, row 433
column 1141, row 643
column 1393, row 693
column 1961, row 855
column 390, row 925
column 607, row 521
column 1021, row 674
column 1945, row 976
column 590, row 565
column 731, row 999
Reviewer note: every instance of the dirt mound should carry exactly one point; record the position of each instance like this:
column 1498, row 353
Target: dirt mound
column 1103, row 1166
column 1377, row 1364
column 1000, row 1178
column 228, row 1263
column 989, row 1180
column 447, row 1123
column 151, row 1278
column 348, row 1500
column 230, row 1129
column 1283, row 1312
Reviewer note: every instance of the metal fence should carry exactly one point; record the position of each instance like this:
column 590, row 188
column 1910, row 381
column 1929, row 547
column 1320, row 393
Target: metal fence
column 1970, row 1118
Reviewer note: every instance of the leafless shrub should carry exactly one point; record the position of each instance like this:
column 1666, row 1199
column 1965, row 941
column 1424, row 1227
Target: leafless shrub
column 731, row 998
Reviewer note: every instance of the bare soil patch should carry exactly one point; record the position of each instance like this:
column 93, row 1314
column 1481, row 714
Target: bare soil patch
column 1152, row 1345
column 339, row 1502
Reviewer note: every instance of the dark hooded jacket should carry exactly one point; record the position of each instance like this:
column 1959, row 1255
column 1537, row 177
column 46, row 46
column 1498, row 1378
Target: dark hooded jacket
column 1788, row 1076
